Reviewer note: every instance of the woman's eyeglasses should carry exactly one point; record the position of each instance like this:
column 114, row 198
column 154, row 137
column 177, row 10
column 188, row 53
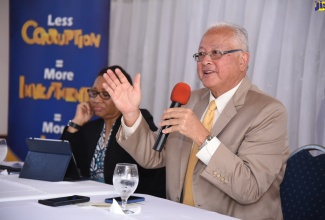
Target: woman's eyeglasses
column 93, row 94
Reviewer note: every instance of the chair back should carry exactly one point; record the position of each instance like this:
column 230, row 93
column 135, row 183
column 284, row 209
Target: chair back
column 303, row 188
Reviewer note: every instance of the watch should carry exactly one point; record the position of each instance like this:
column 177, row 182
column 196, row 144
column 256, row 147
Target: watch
column 207, row 140
column 74, row 125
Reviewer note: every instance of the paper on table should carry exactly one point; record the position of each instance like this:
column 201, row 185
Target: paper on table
column 116, row 208
column 4, row 172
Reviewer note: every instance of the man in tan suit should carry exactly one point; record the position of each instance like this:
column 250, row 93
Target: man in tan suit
column 240, row 161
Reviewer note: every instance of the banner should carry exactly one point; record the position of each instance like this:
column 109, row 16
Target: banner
column 56, row 50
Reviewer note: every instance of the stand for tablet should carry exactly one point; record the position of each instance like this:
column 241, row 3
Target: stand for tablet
column 49, row 160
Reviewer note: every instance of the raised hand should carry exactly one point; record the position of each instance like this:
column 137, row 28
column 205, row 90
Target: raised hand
column 126, row 97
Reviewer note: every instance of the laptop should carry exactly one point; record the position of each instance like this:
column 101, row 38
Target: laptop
column 50, row 160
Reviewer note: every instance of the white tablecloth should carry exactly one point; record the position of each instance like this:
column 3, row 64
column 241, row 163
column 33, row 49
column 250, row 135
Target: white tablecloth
column 19, row 200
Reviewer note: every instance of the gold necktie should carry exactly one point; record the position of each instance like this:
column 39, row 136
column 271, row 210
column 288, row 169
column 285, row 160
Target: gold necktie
column 207, row 122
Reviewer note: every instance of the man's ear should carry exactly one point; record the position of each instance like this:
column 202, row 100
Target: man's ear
column 243, row 61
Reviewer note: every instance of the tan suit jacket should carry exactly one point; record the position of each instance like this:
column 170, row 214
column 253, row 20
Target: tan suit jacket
column 243, row 176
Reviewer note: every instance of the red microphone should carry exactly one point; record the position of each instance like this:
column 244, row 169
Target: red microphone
column 180, row 95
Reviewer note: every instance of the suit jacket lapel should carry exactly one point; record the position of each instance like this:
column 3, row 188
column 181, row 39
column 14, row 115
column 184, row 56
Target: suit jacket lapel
column 202, row 104
column 227, row 114
column 234, row 104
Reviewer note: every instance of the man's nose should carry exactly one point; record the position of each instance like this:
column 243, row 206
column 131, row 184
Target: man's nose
column 207, row 59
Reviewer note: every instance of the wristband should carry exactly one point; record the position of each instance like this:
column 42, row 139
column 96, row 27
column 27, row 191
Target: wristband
column 74, row 125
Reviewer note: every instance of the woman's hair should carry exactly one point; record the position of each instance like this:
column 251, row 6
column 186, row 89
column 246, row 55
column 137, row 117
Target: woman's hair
column 104, row 70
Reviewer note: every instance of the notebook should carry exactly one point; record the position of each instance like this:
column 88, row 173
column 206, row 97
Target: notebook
column 50, row 160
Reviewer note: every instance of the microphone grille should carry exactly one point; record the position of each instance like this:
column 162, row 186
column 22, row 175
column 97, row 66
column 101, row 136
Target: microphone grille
column 181, row 93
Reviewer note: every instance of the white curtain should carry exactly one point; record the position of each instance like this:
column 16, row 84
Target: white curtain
column 287, row 44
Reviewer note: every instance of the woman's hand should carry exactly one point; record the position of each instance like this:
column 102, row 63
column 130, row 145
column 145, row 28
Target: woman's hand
column 83, row 113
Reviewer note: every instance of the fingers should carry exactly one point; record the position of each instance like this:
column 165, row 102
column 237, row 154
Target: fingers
column 113, row 80
column 86, row 108
column 174, row 119
column 175, row 113
column 137, row 80
column 83, row 112
column 121, row 78
column 170, row 125
column 109, row 85
column 181, row 120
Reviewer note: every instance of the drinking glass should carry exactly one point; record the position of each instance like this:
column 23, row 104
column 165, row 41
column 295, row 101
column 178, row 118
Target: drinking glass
column 3, row 149
column 125, row 181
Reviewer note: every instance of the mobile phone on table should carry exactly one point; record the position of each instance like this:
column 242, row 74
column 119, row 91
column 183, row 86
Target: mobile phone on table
column 67, row 200
column 131, row 199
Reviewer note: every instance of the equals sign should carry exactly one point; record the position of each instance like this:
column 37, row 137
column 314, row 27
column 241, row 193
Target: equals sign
column 59, row 63
column 57, row 117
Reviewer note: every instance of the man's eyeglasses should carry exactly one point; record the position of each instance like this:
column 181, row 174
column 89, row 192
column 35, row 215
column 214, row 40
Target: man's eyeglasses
column 214, row 54
column 93, row 94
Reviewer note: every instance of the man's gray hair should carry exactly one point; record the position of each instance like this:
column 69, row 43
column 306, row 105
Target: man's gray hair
column 240, row 33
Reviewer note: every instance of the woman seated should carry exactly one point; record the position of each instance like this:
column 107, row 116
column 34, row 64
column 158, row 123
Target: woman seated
column 93, row 141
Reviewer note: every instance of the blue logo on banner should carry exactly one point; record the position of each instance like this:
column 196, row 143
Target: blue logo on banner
column 319, row 6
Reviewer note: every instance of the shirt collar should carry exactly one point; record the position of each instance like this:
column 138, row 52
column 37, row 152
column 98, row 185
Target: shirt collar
column 223, row 100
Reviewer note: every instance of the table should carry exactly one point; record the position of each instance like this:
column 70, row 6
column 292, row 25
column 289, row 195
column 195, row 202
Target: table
column 18, row 200
column 14, row 188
